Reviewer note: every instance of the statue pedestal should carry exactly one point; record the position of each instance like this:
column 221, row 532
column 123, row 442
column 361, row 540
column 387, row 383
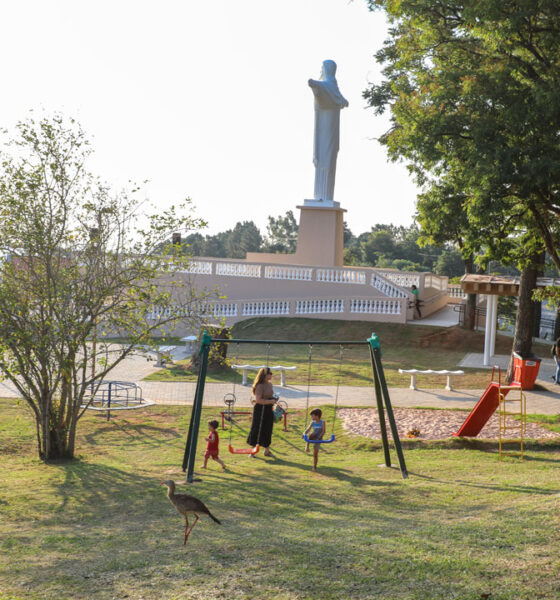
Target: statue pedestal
column 321, row 235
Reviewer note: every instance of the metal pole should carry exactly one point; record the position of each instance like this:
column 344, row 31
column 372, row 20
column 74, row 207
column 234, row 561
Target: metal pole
column 189, row 436
column 380, row 410
column 197, row 406
column 487, row 329
column 109, row 403
column 376, row 349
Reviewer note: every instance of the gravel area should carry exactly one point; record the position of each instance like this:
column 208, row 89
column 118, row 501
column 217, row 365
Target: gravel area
column 432, row 424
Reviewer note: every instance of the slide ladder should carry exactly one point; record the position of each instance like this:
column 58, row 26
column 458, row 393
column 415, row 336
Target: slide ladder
column 486, row 406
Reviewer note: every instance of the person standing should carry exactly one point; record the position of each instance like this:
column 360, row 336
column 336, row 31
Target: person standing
column 263, row 417
column 416, row 294
column 556, row 356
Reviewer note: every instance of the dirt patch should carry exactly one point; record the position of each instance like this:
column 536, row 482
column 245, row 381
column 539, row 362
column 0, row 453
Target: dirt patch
column 432, row 424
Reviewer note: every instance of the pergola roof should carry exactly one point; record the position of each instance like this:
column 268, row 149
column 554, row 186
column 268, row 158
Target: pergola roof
column 498, row 285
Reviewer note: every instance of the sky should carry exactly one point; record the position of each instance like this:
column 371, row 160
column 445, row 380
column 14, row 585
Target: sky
column 209, row 99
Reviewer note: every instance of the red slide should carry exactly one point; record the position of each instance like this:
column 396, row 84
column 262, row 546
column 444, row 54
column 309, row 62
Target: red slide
column 483, row 410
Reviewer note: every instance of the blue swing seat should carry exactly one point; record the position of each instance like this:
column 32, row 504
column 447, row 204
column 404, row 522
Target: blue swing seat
column 332, row 439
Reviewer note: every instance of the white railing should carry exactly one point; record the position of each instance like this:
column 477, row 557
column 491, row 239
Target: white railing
column 437, row 282
column 199, row 267
column 386, row 287
column 238, row 269
column 286, row 272
column 341, row 276
column 265, row 308
column 228, row 309
column 402, row 278
column 375, row 307
column 307, row 307
column 454, row 291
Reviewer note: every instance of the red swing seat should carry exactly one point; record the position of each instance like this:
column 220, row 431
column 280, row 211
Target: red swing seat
column 244, row 450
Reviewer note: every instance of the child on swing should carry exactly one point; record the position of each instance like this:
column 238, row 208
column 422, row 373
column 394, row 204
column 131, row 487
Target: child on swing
column 212, row 449
column 316, row 430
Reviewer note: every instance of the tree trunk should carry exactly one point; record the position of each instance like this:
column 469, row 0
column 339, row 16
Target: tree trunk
column 537, row 306
column 523, row 336
column 470, row 306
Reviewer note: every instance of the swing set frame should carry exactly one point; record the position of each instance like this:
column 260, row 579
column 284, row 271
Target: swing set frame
column 380, row 385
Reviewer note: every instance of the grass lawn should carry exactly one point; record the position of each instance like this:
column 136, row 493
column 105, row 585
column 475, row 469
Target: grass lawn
column 403, row 346
column 463, row 525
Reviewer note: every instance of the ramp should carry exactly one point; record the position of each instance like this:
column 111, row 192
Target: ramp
column 483, row 410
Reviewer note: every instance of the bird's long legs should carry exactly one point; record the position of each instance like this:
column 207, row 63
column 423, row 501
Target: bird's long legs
column 186, row 529
column 195, row 520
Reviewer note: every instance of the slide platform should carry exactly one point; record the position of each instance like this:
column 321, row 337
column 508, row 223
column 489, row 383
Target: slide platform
column 483, row 410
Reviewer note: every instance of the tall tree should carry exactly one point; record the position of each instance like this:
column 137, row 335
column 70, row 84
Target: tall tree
column 77, row 262
column 473, row 92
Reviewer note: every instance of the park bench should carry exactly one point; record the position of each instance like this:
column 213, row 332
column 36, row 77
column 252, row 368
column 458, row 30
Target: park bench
column 414, row 372
column 247, row 368
column 163, row 355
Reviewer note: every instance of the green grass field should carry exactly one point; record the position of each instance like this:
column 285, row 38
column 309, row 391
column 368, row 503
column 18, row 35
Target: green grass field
column 463, row 526
column 403, row 346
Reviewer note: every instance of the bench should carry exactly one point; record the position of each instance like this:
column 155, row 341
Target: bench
column 246, row 368
column 448, row 374
column 163, row 354
column 190, row 341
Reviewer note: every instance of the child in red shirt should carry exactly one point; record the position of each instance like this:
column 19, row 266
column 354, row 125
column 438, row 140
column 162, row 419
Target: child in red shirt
column 212, row 449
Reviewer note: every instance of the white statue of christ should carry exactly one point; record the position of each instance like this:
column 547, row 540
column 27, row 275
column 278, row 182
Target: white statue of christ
column 328, row 103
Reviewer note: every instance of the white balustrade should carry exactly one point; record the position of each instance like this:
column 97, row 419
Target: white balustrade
column 455, row 291
column 198, row 267
column 307, row 307
column 341, row 276
column 386, row 287
column 374, row 306
column 238, row 269
column 228, row 309
column 266, row 308
column 401, row 278
column 286, row 272
column 436, row 282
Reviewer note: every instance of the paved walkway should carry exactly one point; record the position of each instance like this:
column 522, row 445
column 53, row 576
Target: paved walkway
column 445, row 317
column 136, row 368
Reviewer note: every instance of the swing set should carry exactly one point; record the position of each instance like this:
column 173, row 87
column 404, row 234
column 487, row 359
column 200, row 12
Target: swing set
column 383, row 401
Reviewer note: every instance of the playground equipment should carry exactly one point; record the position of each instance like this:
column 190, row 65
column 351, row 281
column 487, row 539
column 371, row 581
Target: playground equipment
column 381, row 394
column 332, row 438
column 116, row 395
column 494, row 397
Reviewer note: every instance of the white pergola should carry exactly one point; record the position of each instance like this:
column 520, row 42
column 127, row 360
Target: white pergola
column 493, row 286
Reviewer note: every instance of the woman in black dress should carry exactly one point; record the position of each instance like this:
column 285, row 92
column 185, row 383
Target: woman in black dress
column 263, row 420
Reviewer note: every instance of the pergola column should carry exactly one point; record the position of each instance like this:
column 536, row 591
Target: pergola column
column 490, row 329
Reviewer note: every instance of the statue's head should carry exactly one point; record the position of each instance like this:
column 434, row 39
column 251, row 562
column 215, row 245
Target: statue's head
column 329, row 69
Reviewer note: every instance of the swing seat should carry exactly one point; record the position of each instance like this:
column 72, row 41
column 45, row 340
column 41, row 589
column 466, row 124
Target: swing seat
column 332, row 439
column 244, row 450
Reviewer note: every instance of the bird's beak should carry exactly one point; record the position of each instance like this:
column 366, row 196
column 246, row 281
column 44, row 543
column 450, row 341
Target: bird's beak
column 162, row 483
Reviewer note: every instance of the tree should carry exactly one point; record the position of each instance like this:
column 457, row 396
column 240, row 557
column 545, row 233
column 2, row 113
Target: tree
column 282, row 232
column 245, row 237
column 450, row 263
column 472, row 88
column 78, row 265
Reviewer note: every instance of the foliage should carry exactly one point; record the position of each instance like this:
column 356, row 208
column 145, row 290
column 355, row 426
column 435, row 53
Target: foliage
column 282, row 234
column 78, row 265
column 472, row 89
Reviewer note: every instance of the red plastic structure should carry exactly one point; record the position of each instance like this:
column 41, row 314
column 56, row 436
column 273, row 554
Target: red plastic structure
column 484, row 408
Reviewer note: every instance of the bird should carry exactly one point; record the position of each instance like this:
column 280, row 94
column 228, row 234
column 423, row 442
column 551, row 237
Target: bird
column 187, row 505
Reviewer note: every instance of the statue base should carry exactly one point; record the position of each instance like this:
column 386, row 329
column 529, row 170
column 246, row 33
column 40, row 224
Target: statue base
column 321, row 234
